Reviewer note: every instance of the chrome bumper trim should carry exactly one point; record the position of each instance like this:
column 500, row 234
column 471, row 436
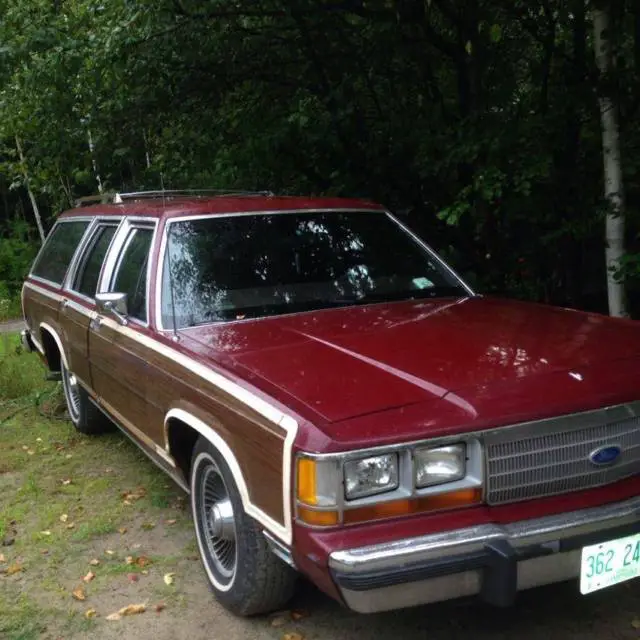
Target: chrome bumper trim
column 492, row 560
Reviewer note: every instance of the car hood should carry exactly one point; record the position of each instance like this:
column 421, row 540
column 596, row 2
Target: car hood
column 349, row 362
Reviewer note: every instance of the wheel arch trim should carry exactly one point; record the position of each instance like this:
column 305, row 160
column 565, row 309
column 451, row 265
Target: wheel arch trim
column 44, row 326
column 283, row 531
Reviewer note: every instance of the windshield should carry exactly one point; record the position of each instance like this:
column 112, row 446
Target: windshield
column 236, row 267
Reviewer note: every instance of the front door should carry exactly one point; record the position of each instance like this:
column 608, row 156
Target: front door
column 119, row 370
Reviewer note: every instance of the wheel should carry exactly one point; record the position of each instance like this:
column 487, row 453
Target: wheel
column 85, row 416
column 245, row 576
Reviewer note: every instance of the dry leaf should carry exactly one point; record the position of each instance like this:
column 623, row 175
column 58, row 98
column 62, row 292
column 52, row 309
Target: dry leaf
column 299, row 614
column 90, row 613
column 143, row 561
column 147, row 526
column 64, row 517
column 292, row 636
column 66, row 482
column 13, row 569
column 168, row 578
column 2, row 558
column 24, row 447
column 71, row 525
column 170, row 522
column 89, row 577
column 160, row 607
column 129, row 560
column 68, row 456
column 95, row 562
column 278, row 622
column 132, row 496
column 45, row 533
column 44, row 552
column 31, row 452
column 129, row 610
column 133, row 577
column 109, row 552
column 122, row 531
column 38, row 439
column 79, row 594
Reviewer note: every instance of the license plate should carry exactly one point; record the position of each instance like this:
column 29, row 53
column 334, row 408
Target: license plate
column 609, row 563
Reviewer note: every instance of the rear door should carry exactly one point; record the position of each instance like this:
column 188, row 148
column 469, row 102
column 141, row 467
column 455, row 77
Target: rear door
column 119, row 369
column 78, row 305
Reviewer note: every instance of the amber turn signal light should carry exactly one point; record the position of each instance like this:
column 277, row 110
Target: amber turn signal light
column 409, row 506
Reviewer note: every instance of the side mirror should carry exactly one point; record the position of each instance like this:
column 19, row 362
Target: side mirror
column 114, row 304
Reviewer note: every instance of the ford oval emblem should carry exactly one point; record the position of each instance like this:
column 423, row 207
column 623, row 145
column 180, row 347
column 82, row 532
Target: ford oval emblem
column 604, row 456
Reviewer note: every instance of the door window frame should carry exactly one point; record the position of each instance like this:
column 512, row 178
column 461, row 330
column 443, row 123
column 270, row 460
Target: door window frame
column 115, row 254
column 80, row 245
column 85, row 247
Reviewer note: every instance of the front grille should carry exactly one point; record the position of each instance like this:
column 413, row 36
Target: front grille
column 557, row 461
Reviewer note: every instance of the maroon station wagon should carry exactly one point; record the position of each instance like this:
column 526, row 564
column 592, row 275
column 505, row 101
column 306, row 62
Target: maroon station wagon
column 340, row 404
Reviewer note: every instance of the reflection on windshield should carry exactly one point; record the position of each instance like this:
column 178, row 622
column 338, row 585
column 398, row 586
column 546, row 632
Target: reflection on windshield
column 245, row 266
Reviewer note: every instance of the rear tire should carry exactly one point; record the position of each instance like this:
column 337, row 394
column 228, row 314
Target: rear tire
column 84, row 415
column 244, row 575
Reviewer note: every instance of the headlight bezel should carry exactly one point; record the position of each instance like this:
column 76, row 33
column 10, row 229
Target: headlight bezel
column 406, row 490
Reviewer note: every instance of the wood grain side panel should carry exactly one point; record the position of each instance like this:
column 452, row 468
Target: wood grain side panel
column 257, row 443
column 75, row 328
column 39, row 308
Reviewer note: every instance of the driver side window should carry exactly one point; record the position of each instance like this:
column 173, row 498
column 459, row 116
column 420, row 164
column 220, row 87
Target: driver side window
column 131, row 272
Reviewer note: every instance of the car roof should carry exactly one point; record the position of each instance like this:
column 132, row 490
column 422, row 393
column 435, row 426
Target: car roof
column 172, row 207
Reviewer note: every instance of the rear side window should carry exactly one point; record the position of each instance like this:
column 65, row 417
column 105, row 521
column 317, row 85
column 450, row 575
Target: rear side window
column 88, row 274
column 131, row 272
column 58, row 250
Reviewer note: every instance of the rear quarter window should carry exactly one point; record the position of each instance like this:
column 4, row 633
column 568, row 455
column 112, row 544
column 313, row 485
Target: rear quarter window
column 58, row 250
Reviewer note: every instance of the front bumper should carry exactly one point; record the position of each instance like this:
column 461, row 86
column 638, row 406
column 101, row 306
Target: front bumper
column 493, row 561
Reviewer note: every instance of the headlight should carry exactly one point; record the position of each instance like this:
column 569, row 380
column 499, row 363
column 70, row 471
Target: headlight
column 370, row 476
column 440, row 465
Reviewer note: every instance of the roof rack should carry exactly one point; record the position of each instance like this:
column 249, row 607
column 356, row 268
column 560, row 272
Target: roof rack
column 119, row 198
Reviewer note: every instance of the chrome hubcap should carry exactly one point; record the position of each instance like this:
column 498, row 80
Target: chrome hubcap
column 218, row 522
column 72, row 393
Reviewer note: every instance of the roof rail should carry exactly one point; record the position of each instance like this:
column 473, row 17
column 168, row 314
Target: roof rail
column 119, row 198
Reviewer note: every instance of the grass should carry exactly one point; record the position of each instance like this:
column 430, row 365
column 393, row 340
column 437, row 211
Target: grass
column 62, row 504
column 10, row 308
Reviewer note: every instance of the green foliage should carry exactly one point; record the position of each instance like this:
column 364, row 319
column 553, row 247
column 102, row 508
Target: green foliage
column 480, row 120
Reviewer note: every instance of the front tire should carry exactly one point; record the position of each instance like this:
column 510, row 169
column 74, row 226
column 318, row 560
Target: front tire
column 245, row 576
column 84, row 415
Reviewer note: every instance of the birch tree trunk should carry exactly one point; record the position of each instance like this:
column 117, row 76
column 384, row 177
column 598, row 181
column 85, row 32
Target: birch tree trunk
column 613, row 185
column 34, row 204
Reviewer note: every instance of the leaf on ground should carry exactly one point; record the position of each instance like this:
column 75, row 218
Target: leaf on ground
column 30, row 452
column 45, row 533
column 129, row 560
column 90, row 613
column 168, row 578
column 170, row 522
column 129, row 610
column 635, row 623
column 89, row 577
column 71, row 525
column 12, row 569
column 161, row 606
column 278, row 621
column 2, row 557
column 133, row 496
column 25, row 447
column 66, row 482
column 79, row 594
column 109, row 552
column 95, row 562
column 299, row 614
column 147, row 526
column 122, row 530
column 64, row 517
column 143, row 561
column 44, row 552
column 292, row 636
column 133, row 577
